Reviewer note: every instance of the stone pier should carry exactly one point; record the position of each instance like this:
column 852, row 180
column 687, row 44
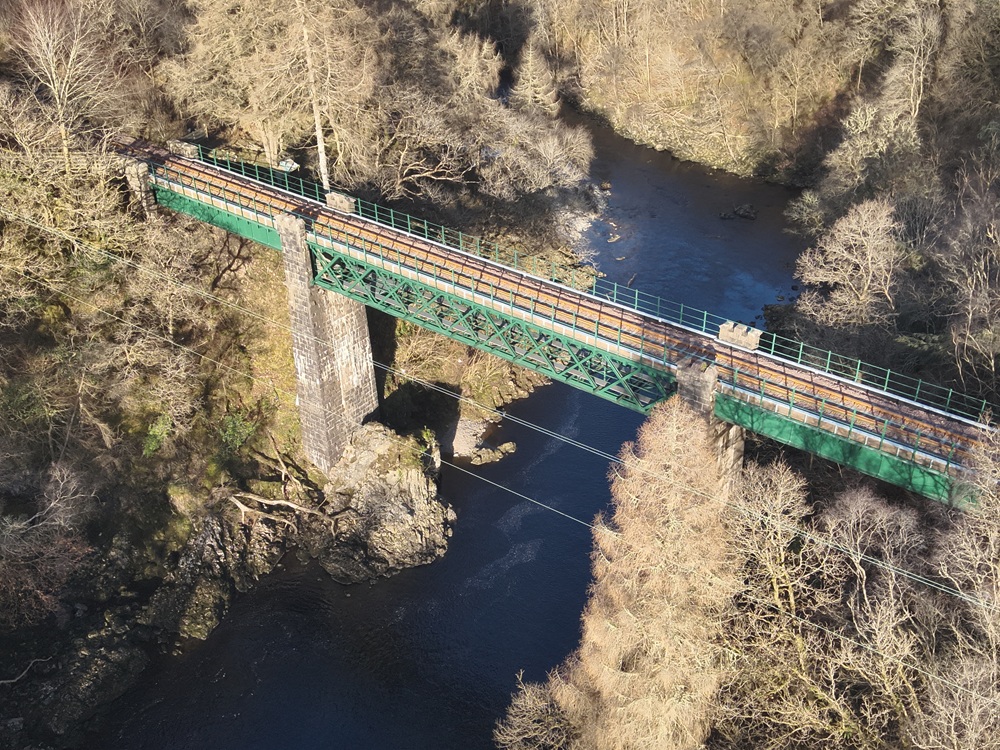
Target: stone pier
column 696, row 381
column 137, row 175
column 137, row 179
column 333, row 354
column 696, row 388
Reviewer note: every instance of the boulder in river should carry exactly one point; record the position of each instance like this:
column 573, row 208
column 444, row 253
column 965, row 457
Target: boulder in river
column 742, row 211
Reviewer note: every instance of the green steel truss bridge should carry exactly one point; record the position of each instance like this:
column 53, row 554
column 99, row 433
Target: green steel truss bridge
column 612, row 341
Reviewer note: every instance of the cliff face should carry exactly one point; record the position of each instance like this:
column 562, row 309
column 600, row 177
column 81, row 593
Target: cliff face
column 378, row 514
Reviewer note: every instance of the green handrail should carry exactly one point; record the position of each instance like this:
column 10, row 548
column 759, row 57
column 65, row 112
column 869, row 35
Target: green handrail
column 878, row 378
column 236, row 202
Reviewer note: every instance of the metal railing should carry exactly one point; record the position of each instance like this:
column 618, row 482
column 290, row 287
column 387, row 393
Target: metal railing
column 941, row 398
column 262, row 211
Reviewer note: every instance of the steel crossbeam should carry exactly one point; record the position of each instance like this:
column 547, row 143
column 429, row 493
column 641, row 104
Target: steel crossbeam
column 604, row 374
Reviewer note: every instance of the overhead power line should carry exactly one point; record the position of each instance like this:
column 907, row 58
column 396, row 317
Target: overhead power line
column 778, row 522
column 554, row 434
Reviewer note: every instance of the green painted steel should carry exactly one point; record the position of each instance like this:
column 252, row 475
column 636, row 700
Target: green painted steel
column 560, row 357
column 919, row 391
column 374, row 275
column 493, row 330
column 218, row 217
column 897, row 471
column 261, row 173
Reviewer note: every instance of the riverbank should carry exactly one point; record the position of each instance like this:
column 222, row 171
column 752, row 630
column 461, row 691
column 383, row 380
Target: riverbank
column 164, row 571
column 165, row 577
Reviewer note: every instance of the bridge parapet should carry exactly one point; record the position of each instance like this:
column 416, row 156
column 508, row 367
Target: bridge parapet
column 183, row 148
column 738, row 334
column 340, row 202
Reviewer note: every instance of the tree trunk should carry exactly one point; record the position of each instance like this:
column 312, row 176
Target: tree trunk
column 324, row 172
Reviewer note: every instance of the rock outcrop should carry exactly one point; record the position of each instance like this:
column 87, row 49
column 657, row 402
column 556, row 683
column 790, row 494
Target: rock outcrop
column 383, row 513
column 378, row 514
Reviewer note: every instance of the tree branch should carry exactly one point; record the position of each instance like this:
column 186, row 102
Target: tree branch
column 25, row 672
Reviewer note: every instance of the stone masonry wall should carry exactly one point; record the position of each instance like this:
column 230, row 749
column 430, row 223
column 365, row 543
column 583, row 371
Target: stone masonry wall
column 333, row 356
column 696, row 387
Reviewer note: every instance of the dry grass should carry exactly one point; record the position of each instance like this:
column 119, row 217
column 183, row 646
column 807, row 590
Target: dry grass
column 269, row 347
column 429, row 356
column 483, row 381
column 484, row 378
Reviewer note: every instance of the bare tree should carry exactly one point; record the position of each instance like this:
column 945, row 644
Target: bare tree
column 854, row 269
column 239, row 69
column 533, row 721
column 40, row 551
column 915, row 46
column 535, row 87
column 58, row 48
column 817, row 627
column 970, row 267
column 961, row 704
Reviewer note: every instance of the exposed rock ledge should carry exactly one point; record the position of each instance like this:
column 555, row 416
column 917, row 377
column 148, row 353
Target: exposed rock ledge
column 387, row 512
column 379, row 513
column 467, row 439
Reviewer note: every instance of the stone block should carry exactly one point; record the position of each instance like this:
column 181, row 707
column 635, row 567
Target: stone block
column 137, row 179
column 729, row 440
column 696, row 384
column 340, row 202
column 183, row 148
column 738, row 334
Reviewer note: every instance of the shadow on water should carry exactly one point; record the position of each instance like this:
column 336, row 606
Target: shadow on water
column 426, row 659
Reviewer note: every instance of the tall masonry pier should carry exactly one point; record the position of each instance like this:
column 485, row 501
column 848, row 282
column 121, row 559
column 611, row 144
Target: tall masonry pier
column 332, row 350
column 335, row 386
column 697, row 384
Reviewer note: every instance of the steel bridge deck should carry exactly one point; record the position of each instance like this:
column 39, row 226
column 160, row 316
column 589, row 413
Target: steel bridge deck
column 605, row 347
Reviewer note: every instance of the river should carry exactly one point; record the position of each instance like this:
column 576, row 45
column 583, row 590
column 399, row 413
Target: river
column 429, row 658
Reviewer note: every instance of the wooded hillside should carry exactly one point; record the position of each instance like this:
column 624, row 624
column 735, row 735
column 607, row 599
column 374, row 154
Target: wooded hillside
column 127, row 371
column 886, row 111
column 151, row 458
column 131, row 399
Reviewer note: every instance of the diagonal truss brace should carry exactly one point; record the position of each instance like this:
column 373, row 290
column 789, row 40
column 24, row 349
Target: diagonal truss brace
column 556, row 355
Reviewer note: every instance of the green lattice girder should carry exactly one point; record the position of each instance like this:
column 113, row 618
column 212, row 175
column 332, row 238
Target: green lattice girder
column 896, row 470
column 558, row 356
column 506, row 334
column 239, row 225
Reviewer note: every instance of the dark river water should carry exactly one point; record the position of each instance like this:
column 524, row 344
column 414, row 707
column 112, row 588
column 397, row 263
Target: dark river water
column 429, row 658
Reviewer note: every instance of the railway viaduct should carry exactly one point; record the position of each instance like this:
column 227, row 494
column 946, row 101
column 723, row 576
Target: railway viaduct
column 612, row 341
